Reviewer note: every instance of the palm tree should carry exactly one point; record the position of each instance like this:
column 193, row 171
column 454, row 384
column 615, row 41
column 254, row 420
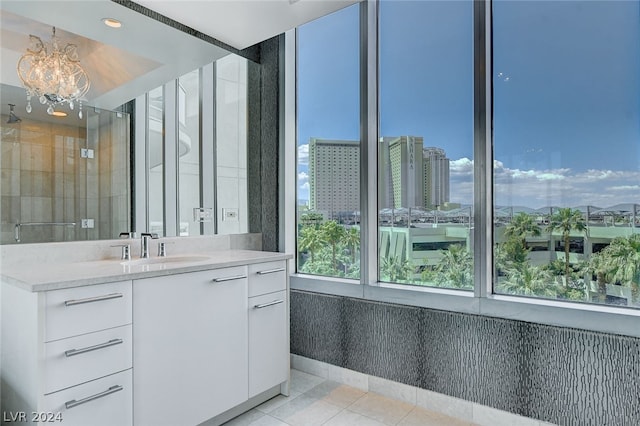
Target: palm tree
column 529, row 280
column 597, row 265
column 310, row 239
column 455, row 268
column 522, row 225
column 332, row 233
column 394, row 269
column 352, row 240
column 566, row 220
column 310, row 218
column 622, row 262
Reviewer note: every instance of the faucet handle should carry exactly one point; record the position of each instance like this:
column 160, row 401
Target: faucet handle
column 127, row 235
column 162, row 248
column 126, row 251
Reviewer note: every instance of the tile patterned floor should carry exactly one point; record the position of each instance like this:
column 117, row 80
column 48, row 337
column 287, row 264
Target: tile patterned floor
column 315, row 401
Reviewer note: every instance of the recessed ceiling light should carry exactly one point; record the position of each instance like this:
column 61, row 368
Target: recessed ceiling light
column 59, row 114
column 111, row 22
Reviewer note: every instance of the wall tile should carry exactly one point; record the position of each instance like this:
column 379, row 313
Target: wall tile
column 488, row 416
column 393, row 389
column 445, row 404
column 348, row 377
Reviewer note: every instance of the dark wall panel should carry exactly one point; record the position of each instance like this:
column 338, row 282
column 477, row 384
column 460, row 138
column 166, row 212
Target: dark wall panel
column 561, row 375
column 263, row 141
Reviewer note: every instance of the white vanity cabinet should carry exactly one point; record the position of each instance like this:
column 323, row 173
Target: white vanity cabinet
column 177, row 344
column 67, row 354
column 207, row 342
column 268, row 326
column 190, row 349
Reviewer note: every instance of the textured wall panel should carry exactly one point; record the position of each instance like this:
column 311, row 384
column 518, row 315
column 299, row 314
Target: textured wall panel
column 270, row 139
column 263, row 141
column 383, row 340
column 561, row 375
column 324, row 335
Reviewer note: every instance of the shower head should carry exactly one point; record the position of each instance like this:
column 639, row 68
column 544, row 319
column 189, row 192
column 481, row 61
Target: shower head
column 13, row 118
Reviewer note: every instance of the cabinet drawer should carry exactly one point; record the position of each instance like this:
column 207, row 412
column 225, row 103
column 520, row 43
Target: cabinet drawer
column 79, row 359
column 267, row 277
column 102, row 402
column 81, row 310
column 268, row 342
column 236, row 273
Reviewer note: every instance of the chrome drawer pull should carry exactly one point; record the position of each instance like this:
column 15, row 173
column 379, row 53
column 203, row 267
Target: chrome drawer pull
column 93, row 299
column 237, row 277
column 73, row 352
column 74, row 403
column 270, row 271
column 264, row 305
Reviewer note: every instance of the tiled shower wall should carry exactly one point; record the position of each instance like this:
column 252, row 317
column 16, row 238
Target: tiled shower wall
column 44, row 178
column 559, row 375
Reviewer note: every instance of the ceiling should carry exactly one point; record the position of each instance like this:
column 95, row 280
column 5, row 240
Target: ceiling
column 243, row 23
column 144, row 53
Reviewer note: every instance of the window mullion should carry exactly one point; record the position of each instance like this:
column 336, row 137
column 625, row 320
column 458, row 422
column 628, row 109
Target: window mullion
column 368, row 141
column 483, row 172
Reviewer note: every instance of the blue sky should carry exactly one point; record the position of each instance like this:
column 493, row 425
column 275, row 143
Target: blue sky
column 566, row 93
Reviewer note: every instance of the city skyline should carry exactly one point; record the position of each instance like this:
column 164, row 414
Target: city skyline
column 566, row 128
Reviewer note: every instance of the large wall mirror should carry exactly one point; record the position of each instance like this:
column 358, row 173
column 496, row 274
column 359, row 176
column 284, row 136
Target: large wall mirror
column 191, row 152
column 62, row 178
column 160, row 147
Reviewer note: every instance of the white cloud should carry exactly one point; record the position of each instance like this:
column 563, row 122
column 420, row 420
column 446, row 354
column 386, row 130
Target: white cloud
column 625, row 188
column 564, row 187
column 303, row 155
column 461, row 166
column 544, row 187
column 303, row 181
column 550, row 176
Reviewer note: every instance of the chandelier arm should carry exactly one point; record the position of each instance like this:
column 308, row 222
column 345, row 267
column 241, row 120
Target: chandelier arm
column 52, row 74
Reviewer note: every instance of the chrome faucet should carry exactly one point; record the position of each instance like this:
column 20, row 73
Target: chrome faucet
column 144, row 247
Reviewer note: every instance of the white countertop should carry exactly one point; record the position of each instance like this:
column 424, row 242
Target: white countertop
column 54, row 276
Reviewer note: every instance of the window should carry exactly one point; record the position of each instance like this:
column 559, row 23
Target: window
column 558, row 213
column 425, row 150
column 329, row 145
column 566, row 84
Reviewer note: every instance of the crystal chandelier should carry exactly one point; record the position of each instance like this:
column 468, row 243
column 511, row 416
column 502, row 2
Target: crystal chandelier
column 53, row 74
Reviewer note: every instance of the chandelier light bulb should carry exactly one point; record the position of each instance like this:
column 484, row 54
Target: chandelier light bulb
column 52, row 73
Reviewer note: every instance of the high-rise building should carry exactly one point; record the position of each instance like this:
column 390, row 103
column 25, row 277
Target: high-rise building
column 334, row 176
column 410, row 175
column 400, row 169
column 436, row 177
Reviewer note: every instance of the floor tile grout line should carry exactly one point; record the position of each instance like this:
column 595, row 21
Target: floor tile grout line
column 407, row 415
column 366, row 393
column 329, row 419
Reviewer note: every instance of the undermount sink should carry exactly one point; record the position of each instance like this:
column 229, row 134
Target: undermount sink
column 168, row 259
